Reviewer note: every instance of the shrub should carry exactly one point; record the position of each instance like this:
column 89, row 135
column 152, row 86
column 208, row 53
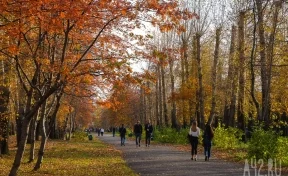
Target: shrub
column 282, row 150
column 171, row 135
column 80, row 135
column 263, row 144
column 227, row 137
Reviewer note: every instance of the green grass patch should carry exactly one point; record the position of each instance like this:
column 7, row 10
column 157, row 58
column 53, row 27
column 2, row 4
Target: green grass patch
column 76, row 157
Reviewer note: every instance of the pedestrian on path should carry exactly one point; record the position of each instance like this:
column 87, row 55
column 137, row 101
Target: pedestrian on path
column 102, row 131
column 194, row 134
column 113, row 131
column 207, row 141
column 138, row 132
column 148, row 130
column 122, row 131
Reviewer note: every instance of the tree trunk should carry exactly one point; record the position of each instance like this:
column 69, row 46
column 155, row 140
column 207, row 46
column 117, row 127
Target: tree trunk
column 70, row 124
column 32, row 140
column 200, row 83
column 262, row 44
column 43, row 136
column 165, row 111
column 214, row 75
column 157, row 102
column 160, row 97
column 240, row 111
column 184, row 119
column 270, row 58
column 252, row 62
column 4, row 104
column 21, row 146
column 229, row 100
column 173, row 110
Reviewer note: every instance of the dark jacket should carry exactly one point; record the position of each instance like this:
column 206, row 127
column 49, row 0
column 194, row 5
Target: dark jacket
column 138, row 128
column 148, row 128
column 207, row 138
column 122, row 131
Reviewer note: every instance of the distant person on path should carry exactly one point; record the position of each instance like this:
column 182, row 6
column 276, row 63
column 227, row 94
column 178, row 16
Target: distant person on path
column 102, row 131
column 98, row 131
column 207, row 141
column 113, row 131
column 122, row 131
column 194, row 134
column 148, row 130
column 138, row 132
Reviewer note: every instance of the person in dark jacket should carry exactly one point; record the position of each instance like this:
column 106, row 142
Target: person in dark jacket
column 138, row 132
column 148, row 130
column 122, row 131
column 207, row 141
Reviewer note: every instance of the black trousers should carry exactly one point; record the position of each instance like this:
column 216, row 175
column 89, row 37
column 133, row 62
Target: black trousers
column 148, row 138
column 194, row 145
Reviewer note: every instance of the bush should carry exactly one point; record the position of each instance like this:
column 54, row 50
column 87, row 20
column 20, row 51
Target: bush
column 80, row 135
column 171, row 135
column 227, row 138
column 129, row 132
column 282, row 150
column 263, row 144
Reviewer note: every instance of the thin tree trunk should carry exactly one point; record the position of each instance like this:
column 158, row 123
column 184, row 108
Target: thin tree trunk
column 4, row 103
column 240, row 111
column 173, row 110
column 214, row 75
column 160, row 97
column 43, row 137
column 32, row 140
column 165, row 111
column 184, row 119
column 262, row 44
column 157, row 103
column 230, row 80
column 200, row 83
column 252, row 62
column 270, row 56
column 70, row 125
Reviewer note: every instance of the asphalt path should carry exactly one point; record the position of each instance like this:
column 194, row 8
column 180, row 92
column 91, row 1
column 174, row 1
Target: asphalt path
column 167, row 160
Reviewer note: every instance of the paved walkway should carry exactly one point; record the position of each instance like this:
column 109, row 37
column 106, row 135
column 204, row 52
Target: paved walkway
column 165, row 160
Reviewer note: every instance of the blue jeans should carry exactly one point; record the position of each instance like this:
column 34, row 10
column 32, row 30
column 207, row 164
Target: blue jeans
column 138, row 138
column 122, row 140
column 207, row 149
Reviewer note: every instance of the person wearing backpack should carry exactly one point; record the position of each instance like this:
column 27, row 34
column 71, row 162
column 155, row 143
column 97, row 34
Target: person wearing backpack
column 122, row 131
column 207, row 141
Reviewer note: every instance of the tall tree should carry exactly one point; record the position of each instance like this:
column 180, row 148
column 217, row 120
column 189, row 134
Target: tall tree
column 241, row 56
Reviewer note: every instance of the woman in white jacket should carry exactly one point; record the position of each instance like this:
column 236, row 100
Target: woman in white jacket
column 194, row 134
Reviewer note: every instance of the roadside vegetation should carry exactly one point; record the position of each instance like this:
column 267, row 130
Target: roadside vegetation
column 79, row 156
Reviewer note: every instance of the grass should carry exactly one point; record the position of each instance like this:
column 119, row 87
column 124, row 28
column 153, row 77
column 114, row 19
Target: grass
column 75, row 157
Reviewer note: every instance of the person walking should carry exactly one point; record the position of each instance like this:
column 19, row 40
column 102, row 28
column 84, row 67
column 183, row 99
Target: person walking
column 138, row 132
column 148, row 130
column 122, row 131
column 102, row 131
column 194, row 134
column 207, row 141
